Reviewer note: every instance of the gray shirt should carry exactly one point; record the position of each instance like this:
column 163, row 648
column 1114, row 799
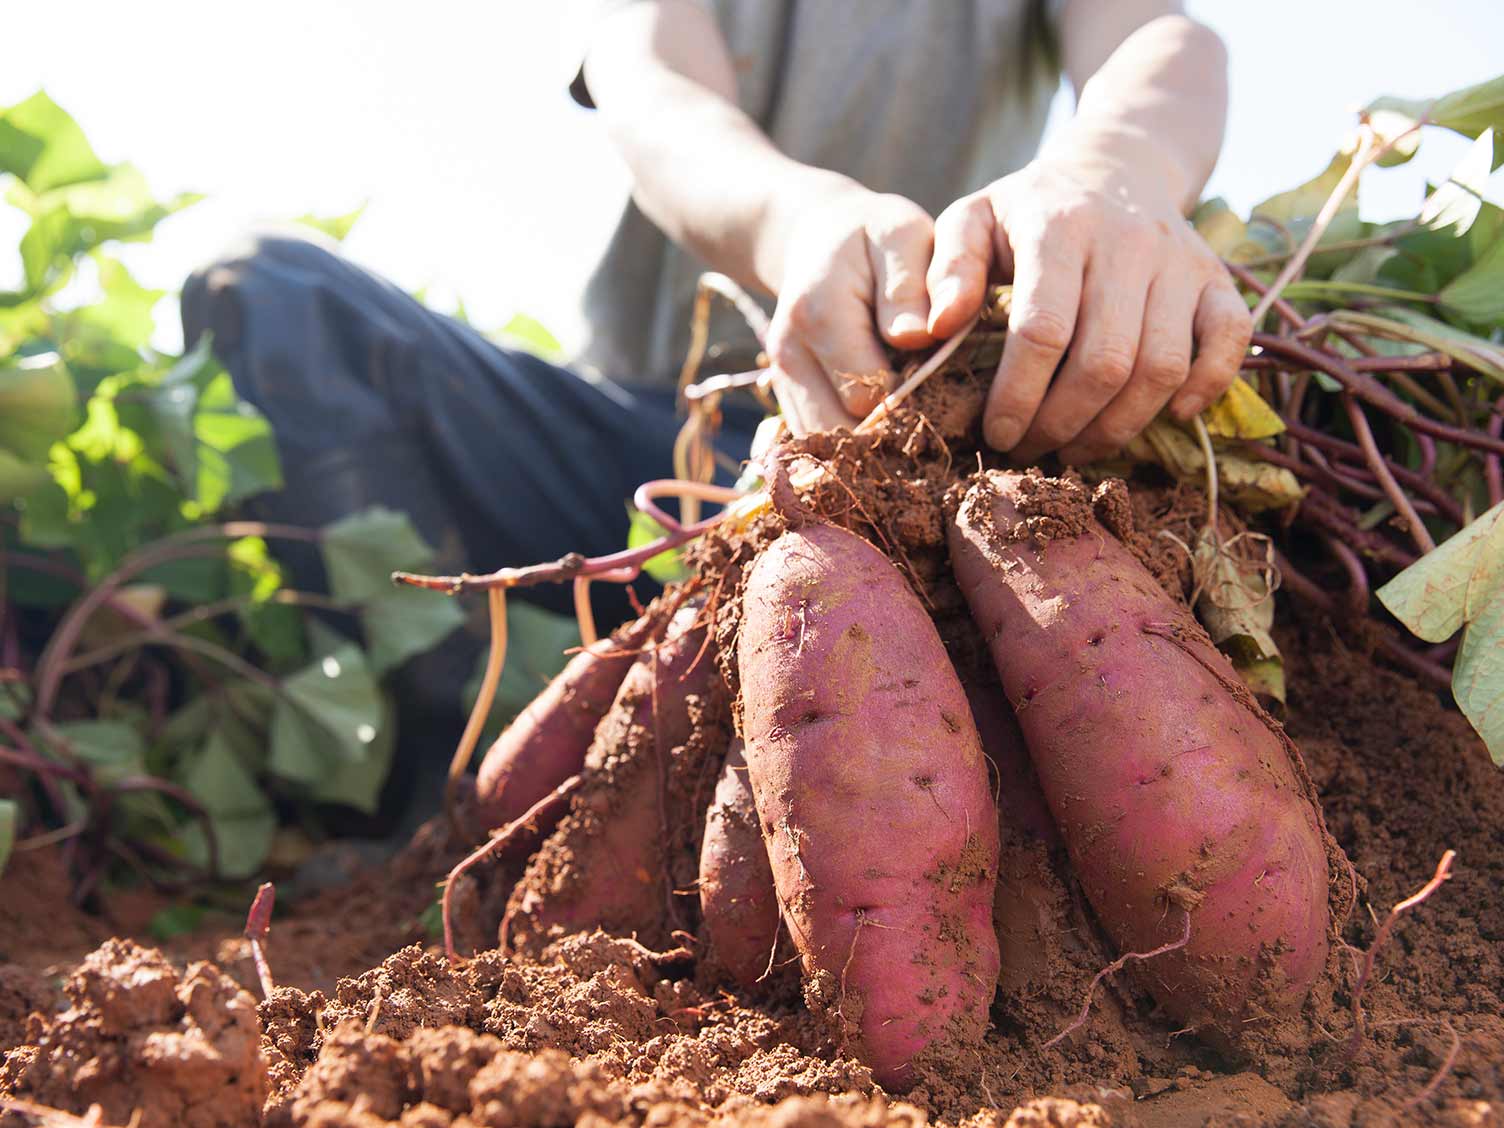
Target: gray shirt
column 929, row 99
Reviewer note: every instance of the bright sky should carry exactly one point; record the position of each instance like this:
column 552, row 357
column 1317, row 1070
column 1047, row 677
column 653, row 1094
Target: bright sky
column 486, row 182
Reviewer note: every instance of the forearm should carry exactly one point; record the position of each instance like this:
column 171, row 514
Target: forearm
column 1152, row 115
column 701, row 168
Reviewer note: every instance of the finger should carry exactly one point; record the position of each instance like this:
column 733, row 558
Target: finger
column 831, row 327
column 957, row 276
column 899, row 255
column 1047, row 278
column 853, row 361
column 804, row 394
column 1159, row 371
column 1102, row 355
column 1222, row 328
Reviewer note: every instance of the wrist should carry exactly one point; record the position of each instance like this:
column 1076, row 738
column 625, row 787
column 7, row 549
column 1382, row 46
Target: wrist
column 792, row 194
column 1124, row 162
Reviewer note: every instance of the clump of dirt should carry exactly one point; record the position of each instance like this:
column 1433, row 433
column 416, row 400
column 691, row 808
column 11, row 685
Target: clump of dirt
column 146, row 1042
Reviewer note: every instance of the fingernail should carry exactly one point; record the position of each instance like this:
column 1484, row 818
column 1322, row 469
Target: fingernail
column 945, row 295
column 905, row 323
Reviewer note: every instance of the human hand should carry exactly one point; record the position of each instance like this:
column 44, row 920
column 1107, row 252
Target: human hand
column 1106, row 275
column 852, row 277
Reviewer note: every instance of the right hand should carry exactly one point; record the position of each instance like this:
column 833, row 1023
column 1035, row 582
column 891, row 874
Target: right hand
column 853, row 274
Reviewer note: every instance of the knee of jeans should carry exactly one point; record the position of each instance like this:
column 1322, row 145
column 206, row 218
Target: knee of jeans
column 264, row 262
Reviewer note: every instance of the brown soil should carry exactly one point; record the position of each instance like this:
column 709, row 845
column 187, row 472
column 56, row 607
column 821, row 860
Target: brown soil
column 370, row 1024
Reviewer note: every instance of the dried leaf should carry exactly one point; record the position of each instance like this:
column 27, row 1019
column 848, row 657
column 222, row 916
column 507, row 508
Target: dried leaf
column 1246, row 483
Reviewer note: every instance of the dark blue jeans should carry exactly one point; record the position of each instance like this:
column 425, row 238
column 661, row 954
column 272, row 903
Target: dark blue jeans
column 498, row 457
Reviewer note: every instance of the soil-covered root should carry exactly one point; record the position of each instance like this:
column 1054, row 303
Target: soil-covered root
column 1189, row 817
column 873, row 795
column 149, row 1044
column 632, row 834
column 738, row 904
column 547, row 742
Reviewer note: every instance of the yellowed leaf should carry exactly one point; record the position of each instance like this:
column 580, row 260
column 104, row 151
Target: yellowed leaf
column 1241, row 413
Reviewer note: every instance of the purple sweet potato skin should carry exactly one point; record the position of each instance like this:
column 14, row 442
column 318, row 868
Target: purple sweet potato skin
column 546, row 743
column 1174, row 794
column 605, row 864
column 737, row 900
column 873, row 795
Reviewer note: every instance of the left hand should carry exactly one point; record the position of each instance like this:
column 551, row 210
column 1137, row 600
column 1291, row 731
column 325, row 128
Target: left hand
column 1103, row 265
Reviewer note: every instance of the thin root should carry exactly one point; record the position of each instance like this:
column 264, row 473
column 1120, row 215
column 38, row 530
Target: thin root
column 1111, row 969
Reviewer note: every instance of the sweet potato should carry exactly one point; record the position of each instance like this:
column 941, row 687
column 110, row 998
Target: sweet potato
column 606, row 863
column 737, row 899
column 873, row 796
column 1180, row 801
column 546, row 743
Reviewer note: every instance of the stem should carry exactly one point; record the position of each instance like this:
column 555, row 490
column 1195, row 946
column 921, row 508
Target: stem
column 482, row 709
column 528, row 818
column 1367, row 389
column 180, row 546
column 1397, row 497
column 583, row 613
column 1370, row 149
column 1319, row 289
column 200, row 614
column 1420, row 362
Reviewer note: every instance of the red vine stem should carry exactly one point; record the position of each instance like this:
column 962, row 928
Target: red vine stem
column 618, row 566
column 1397, row 497
column 495, row 842
column 1364, row 387
column 258, row 924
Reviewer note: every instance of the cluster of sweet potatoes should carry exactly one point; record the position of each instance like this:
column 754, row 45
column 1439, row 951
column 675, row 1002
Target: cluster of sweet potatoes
column 856, row 807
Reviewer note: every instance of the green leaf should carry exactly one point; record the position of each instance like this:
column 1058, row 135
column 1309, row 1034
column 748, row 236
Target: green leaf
column 666, row 567
column 338, row 694
column 123, row 316
column 1476, row 296
column 1445, row 588
column 1478, row 675
column 1293, row 212
column 362, row 551
column 38, row 406
column 536, row 645
column 358, row 784
column 44, row 147
column 530, row 335
column 1455, row 204
column 1470, row 111
column 219, row 446
column 15, row 699
column 337, row 227
column 175, row 920
column 242, row 815
column 401, row 622
column 114, row 750
column 9, row 816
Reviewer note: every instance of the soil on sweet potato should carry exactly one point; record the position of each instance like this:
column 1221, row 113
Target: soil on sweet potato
column 370, row 1025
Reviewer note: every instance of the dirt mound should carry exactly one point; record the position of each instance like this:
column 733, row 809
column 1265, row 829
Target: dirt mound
column 146, row 1043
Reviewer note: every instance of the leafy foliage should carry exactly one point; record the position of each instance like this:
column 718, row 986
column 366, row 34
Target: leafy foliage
column 1428, row 289
column 174, row 694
